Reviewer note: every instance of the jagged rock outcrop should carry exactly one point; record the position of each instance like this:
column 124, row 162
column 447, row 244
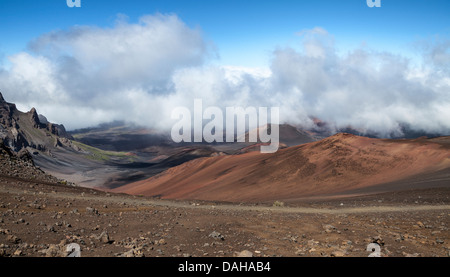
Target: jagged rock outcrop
column 34, row 118
column 20, row 130
column 6, row 112
column 58, row 130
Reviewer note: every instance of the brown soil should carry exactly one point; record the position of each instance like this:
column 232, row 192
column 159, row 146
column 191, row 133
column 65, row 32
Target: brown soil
column 40, row 219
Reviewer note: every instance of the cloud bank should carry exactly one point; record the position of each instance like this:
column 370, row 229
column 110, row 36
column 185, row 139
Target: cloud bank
column 141, row 71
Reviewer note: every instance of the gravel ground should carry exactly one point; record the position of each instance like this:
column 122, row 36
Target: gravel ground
column 40, row 219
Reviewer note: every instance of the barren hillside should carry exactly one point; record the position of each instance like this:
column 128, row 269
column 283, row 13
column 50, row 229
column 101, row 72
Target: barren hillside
column 333, row 165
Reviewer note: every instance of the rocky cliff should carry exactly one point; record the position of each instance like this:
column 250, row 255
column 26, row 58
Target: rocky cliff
column 19, row 130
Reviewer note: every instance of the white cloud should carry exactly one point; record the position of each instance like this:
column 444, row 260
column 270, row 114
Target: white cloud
column 366, row 89
column 140, row 72
column 101, row 71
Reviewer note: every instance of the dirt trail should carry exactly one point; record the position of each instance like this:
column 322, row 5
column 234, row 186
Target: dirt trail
column 149, row 202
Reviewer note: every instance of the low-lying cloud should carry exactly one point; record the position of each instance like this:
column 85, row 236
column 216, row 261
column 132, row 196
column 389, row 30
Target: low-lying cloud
column 140, row 71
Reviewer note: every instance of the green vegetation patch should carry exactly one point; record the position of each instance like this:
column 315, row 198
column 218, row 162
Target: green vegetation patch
column 103, row 155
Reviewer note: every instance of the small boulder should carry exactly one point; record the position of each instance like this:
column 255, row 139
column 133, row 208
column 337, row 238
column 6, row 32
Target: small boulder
column 217, row 235
column 244, row 254
column 104, row 238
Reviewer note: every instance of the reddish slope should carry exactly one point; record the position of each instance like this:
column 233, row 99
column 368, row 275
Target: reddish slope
column 335, row 164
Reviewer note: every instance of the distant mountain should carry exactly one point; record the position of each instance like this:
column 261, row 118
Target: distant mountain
column 121, row 136
column 324, row 129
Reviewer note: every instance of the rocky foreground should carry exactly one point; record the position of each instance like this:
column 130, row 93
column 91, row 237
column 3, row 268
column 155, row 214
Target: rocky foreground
column 40, row 219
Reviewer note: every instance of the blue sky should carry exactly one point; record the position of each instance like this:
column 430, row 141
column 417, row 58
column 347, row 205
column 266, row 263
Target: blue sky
column 245, row 32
